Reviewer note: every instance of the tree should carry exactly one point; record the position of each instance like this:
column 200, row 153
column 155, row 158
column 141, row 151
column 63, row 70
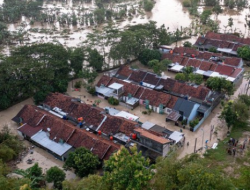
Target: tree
column 228, row 114
column 191, row 172
column 95, row 59
column 245, row 99
column 76, row 59
column 196, row 78
column 210, row 2
column 147, row 55
column 55, row 175
column 205, row 15
column 217, row 9
column 148, row 5
column 99, row 15
column 180, row 77
column 187, row 44
column 92, row 182
column 83, row 161
column 244, row 52
column 127, row 170
column 220, row 85
column 34, row 174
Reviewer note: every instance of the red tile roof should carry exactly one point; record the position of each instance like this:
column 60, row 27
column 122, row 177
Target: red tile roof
column 193, row 63
column 151, row 79
column 233, row 61
column 137, row 76
column 151, row 136
column 127, row 127
column 111, row 125
column 205, row 65
column 224, row 70
column 104, row 80
column 172, row 102
column 236, row 72
column 64, row 130
column 186, row 50
column 124, row 71
column 29, row 130
column 94, row 117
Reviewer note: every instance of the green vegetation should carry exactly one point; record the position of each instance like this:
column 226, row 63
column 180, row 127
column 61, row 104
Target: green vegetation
column 34, row 174
column 82, row 161
column 147, row 55
column 236, row 113
column 148, row 5
column 113, row 101
column 189, row 76
column 194, row 122
column 220, row 85
column 128, row 170
column 159, row 66
column 10, row 146
column 244, row 52
column 55, row 175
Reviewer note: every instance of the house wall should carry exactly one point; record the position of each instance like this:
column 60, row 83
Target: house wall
column 150, row 143
column 193, row 113
column 165, row 150
column 239, row 78
column 206, row 114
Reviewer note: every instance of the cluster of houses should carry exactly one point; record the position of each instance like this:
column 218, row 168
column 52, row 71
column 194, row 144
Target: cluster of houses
column 178, row 100
column 206, row 64
column 63, row 123
column 223, row 43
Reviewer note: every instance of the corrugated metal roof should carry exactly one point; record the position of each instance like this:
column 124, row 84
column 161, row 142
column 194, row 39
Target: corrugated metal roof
column 58, row 148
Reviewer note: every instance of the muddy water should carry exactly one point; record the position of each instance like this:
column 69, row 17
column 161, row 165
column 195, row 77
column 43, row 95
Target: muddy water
column 167, row 12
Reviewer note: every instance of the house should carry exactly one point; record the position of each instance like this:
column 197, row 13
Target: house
column 169, row 86
column 135, row 94
column 151, row 144
column 225, row 43
column 59, row 136
column 188, row 110
column 228, row 68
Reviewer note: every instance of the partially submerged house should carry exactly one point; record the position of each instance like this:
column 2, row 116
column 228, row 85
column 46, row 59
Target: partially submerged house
column 57, row 136
column 228, row 68
column 224, row 43
column 150, row 144
column 107, row 123
column 134, row 94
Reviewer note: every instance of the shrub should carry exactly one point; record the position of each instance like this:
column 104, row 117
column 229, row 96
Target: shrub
column 148, row 5
column 78, row 84
column 91, row 90
column 194, row 122
column 113, row 101
column 186, row 3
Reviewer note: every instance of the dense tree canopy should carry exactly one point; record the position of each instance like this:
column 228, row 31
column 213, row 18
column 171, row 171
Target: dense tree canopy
column 147, row 55
column 127, row 170
column 83, row 161
column 244, row 52
column 55, row 175
column 220, row 85
column 33, row 69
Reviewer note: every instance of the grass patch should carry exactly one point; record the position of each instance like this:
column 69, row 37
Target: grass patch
column 220, row 153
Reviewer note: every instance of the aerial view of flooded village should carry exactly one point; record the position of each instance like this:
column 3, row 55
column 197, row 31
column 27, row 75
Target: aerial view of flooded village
column 124, row 95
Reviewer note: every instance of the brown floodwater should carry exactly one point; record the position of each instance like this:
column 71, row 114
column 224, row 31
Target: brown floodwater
column 168, row 12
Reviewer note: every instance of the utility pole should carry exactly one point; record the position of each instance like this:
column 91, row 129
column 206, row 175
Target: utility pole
column 195, row 145
column 211, row 131
column 202, row 137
